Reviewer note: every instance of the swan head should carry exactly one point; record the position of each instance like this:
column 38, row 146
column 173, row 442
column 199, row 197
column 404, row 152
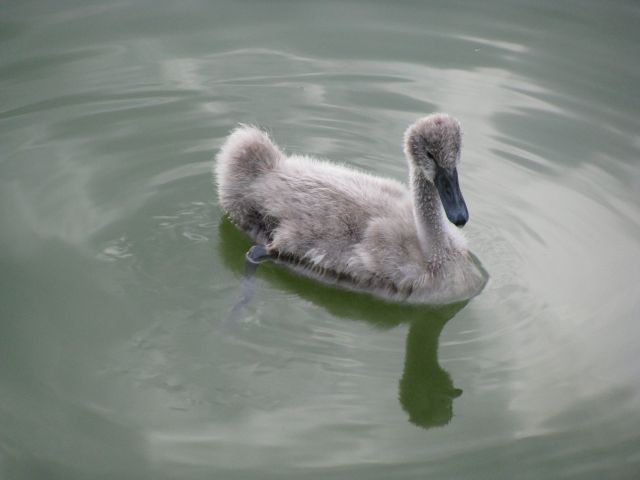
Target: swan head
column 432, row 145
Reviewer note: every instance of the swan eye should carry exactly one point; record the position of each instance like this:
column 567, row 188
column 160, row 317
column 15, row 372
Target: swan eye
column 430, row 156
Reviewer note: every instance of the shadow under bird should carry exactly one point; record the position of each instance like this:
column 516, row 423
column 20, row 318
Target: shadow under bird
column 342, row 226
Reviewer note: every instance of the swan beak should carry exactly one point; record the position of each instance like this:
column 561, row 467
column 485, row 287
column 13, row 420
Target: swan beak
column 446, row 182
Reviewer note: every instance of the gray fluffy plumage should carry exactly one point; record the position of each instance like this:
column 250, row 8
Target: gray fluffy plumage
column 342, row 226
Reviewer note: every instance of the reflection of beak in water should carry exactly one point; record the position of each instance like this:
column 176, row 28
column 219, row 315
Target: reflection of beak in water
column 426, row 390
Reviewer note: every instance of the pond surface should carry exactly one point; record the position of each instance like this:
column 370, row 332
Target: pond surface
column 118, row 268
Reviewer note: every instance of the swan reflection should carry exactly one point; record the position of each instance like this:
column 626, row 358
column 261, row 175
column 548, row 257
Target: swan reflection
column 426, row 391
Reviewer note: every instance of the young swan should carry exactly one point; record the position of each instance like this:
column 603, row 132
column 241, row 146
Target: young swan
column 343, row 226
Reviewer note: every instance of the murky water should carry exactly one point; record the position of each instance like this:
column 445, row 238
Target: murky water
column 117, row 268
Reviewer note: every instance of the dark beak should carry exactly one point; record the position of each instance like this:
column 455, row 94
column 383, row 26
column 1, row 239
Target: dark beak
column 447, row 184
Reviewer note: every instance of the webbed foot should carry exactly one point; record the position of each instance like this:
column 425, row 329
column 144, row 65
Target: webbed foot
column 258, row 254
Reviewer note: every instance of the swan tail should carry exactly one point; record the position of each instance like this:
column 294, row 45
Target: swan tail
column 246, row 154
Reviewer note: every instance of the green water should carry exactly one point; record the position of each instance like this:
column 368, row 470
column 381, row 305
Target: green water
column 118, row 269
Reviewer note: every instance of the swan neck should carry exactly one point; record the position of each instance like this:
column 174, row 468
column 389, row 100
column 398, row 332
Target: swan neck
column 429, row 216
